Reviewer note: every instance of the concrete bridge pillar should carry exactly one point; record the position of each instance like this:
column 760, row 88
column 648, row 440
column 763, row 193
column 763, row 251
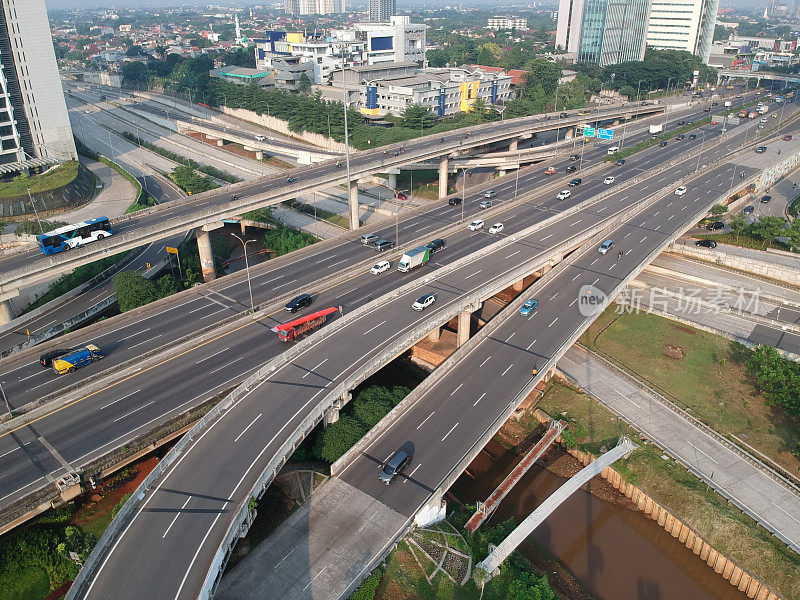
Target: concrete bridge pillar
column 513, row 145
column 6, row 312
column 464, row 320
column 220, row 142
column 433, row 511
column 259, row 155
column 501, row 172
column 353, row 203
column 331, row 415
column 434, row 335
column 204, row 249
column 392, row 183
column 444, row 164
column 518, row 285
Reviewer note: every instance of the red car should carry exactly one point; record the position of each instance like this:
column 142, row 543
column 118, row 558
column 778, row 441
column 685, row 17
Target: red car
column 550, row 170
column 400, row 196
column 787, row 138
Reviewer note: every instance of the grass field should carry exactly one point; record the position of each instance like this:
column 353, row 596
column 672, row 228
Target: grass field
column 54, row 178
column 700, row 371
column 721, row 524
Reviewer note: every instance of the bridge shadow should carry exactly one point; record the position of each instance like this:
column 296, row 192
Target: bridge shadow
column 193, row 495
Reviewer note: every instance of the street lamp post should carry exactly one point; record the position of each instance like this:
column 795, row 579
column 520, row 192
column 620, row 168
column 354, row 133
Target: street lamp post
column 247, row 268
column 638, row 87
column 8, row 407
column 700, row 153
column 33, row 205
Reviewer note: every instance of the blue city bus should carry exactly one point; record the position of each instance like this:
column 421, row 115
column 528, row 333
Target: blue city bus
column 74, row 236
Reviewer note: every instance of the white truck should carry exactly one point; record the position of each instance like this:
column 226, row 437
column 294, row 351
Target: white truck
column 728, row 103
column 414, row 258
column 656, row 129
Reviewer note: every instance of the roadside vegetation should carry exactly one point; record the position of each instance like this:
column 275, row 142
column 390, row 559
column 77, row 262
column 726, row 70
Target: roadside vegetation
column 649, row 143
column 54, row 178
column 190, row 181
column 183, row 160
column 721, row 524
column 763, row 233
column 319, row 213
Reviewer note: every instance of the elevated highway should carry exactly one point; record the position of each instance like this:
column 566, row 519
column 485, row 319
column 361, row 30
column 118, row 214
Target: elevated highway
column 305, row 385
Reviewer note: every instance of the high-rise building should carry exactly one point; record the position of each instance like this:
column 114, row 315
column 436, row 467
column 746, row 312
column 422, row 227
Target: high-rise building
column 380, row 11
column 683, row 25
column 606, row 32
column 33, row 113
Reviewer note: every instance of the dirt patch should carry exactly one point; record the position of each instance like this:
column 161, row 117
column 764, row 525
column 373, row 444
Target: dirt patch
column 60, row 592
column 683, row 329
column 674, row 352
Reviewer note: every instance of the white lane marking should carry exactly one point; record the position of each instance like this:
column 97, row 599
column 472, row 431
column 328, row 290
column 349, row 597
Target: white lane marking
column 133, row 411
column 426, row 418
column 553, row 323
column 281, row 276
column 20, row 489
column 248, row 427
column 484, row 361
column 595, row 281
column 226, row 365
column 670, row 217
column 176, row 518
column 198, row 308
column 22, row 367
column 460, row 385
column 308, row 584
column 473, row 274
column 211, row 314
column 373, row 328
column 573, row 302
column 10, row 451
column 506, row 371
column 212, row 356
column 284, row 558
column 576, row 276
column 410, row 475
column 449, row 432
column 34, row 375
column 142, row 331
column 338, row 263
column 626, row 236
column 602, row 209
column 531, row 344
column 553, row 296
column 594, row 261
column 43, row 326
column 575, row 223
column 547, row 236
column 701, row 452
column 514, row 254
column 643, row 239
column 509, row 337
column 144, row 342
column 317, row 367
column 479, row 399
column 118, row 399
column 612, row 266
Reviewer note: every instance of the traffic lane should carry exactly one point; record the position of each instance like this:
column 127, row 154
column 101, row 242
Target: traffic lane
column 479, row 387
column 24, row 462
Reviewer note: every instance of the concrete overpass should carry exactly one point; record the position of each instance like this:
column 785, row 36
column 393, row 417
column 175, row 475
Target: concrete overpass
column 730, row 74
column 204, row 212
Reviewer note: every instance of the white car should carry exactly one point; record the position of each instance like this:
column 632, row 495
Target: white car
column 564, row 194
column 608, row 180
column 496, row 228
column 606, row 246
column 680, row 191
column 380, row 267
column 475, row 225
column 261, row 138
column 424, row 302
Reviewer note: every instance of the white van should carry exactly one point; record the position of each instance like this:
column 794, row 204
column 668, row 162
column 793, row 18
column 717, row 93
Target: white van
column 612, row 149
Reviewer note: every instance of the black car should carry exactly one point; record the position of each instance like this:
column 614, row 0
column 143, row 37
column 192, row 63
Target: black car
column 681, row 123
column 571, row 169
column 715, row 226
column 620, row 162
column 707, row 109
column 761, row 149
column 382, row 245
column 693, row 136
column 563, row 115
column 748, row 210
column 436, row 245
column 299, row 302
column 706, row 243
column 575, row 182
column 765, row 199
column 679, row 137
column 454, row 201
column 389, row 472
column 575, row 157
column 48, row 357
column 663, row 143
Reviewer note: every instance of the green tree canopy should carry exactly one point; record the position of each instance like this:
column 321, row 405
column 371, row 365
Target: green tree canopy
column 417, row 116
column 133, row 290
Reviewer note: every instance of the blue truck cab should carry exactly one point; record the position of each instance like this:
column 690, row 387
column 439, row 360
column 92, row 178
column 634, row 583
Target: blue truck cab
column 77, row 359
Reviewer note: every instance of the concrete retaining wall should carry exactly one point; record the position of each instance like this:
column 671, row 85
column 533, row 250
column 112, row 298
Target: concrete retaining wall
column 765, row 268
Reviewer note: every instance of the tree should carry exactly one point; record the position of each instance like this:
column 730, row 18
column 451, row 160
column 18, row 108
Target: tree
column 370, row 410
column 304, row 84
column 541, row 73
column 777, row 377
column 768, row 228
column 719, row 209
column 337, row 438
column 793, row 233
column 134, row 72
column 133, row 290
column 417, row 116
column 437, row 58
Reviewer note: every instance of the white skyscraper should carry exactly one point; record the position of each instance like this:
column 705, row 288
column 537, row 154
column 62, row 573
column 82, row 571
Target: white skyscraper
column 33, row 114
column 683, row 25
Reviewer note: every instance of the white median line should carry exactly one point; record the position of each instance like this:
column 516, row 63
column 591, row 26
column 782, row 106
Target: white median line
column 484, row 361
column 281, row 276
column 212, row 356
column 284, row 558
column 506, row 371
column 118, row 399
column 308, row 584
column 514, row 254
column 317, row 367
column 133, row 411
column 449, row 432
column 553, row 323
column 410, row 475
column 373, row 328
column 425, row 419
column 144, row 342
column 34, row 375
column 473, row 274
column 248, row 427
column 531, row 344
column 509, row 337
column 458, row 388
column 479, row 399
column 143, row 330
column 176, row 518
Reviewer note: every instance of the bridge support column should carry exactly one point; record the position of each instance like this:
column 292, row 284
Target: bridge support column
column 259, row 155
column 518, row 285
column 392, row 183
column 220, row 142
column 513, row 145
column 353, row 203
column 464, row 320
column 444, row 164
column 6, row 312
column 332, row 414
column 434, row 335
column 204, row 249
column 433, row 511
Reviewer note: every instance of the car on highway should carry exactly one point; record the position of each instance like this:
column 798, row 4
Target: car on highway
column 48, row 357
column 707, row 109
column 475, row 225
column 679, row 137
column 606, row 246
column 298, row 302
column 570, row 169
column 761, row 126
column 382, row 245
column 609, row 180
column 529, row 306
column 87, row 111
column 612, row 149
column 370, row 238
column 662, row 143
column 496, row 228
column 715, row 226
column 396, row 463
column 748, row 210
column 764, row 120
column 260, row 138
column 574, row 157
column 424, row 302
column 486, row 204
column 380, row 267
column 436, row 245
column 549, row 170
column 786, row 138
column 681, row 123
column 575, row 182
column 765, row 199
column 454, row 201
column 564, row 194
column 620, row 162
column 706, row 243
column 563, row 115
column 490, row 194
column 693, row 136
column 400, row 196
column 761, row 149
column 680, row 191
